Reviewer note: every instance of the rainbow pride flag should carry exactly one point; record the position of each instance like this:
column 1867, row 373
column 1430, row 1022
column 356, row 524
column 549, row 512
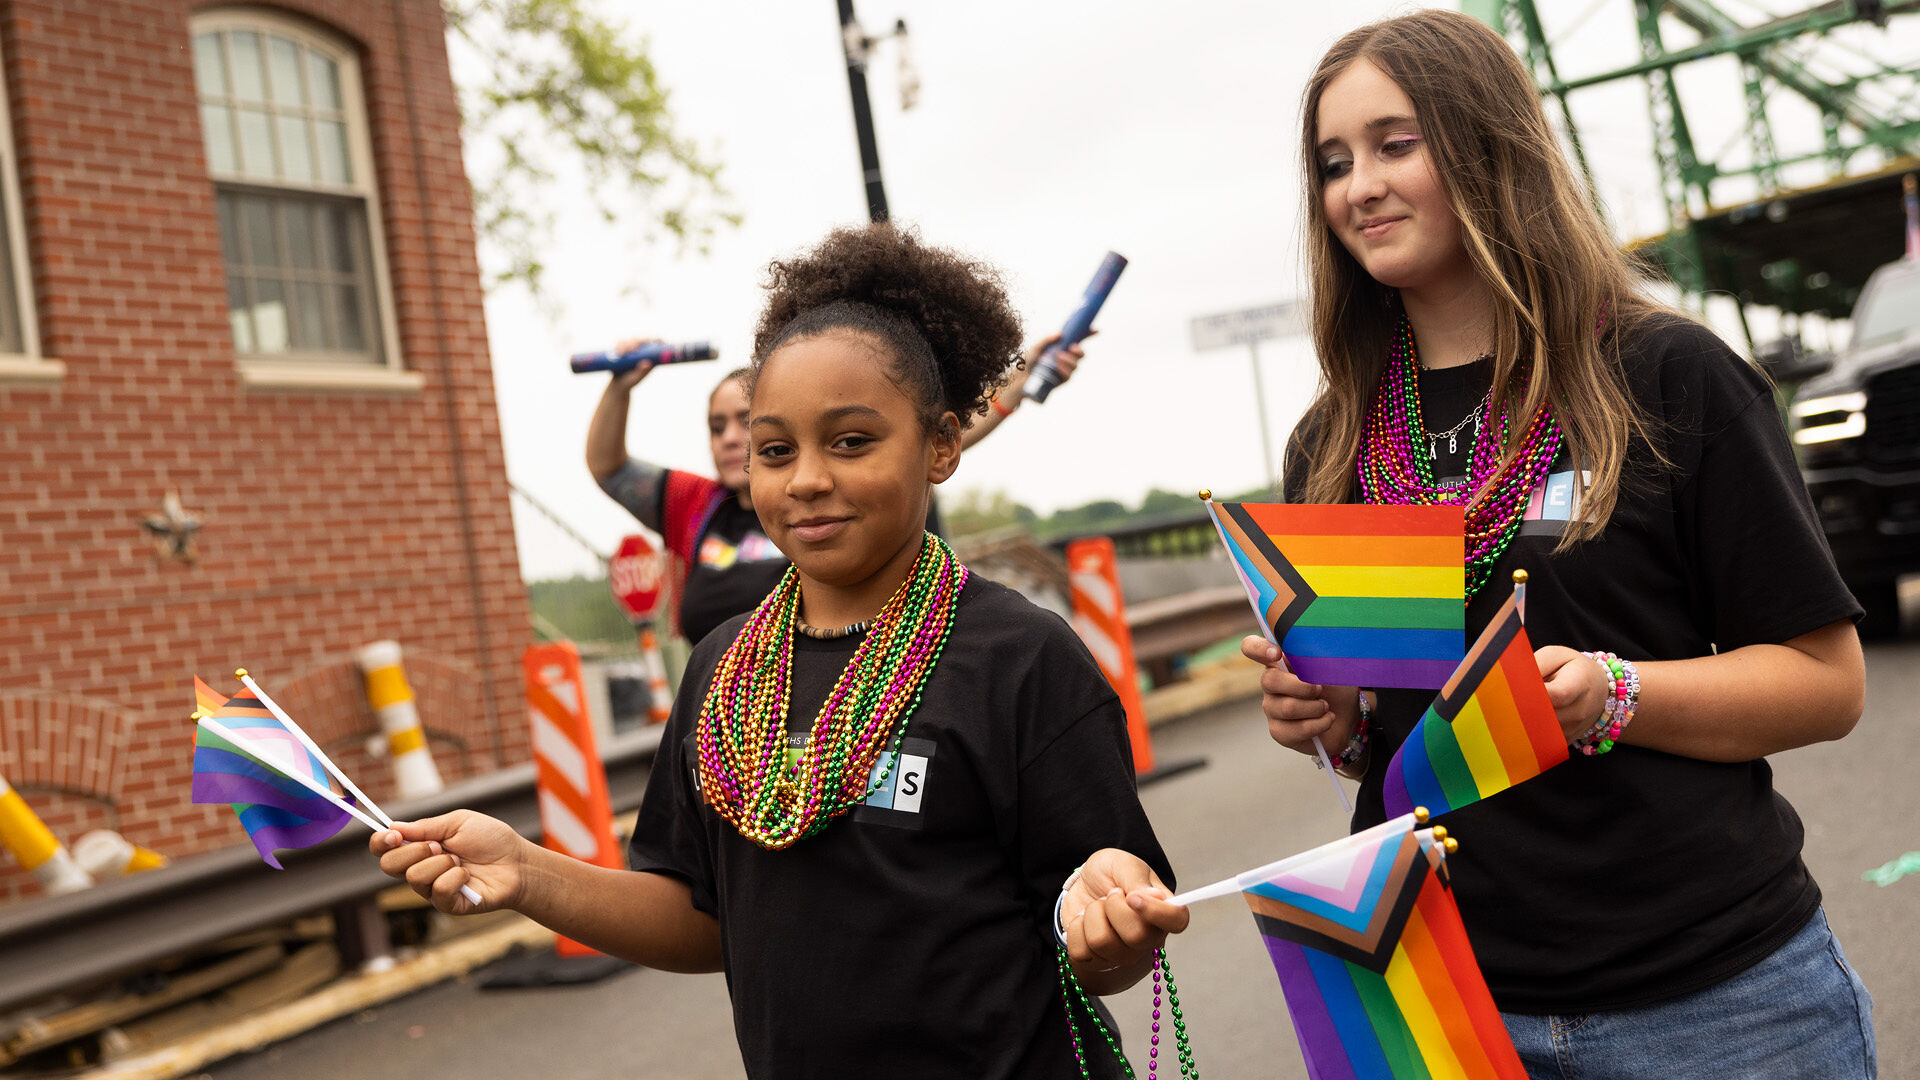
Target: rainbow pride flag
column 1378, row 975
column 206, row 699
column 1490, row 728
column 1354, row 595
column 276, row 812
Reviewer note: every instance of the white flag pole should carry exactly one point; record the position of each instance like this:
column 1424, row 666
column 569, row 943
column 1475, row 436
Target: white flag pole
column 312, row 747
column 280, row 769
column 1326, row 763
column 1239, row 882
column 339, row 774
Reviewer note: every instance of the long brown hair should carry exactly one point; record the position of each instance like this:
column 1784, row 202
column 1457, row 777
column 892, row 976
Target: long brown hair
column 1530, row 232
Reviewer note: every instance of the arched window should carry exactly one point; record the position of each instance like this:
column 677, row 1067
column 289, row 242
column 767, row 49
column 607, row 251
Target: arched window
column 286, row 138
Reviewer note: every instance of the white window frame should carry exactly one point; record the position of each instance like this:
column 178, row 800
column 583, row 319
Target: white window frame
column 292, row 371
column 27, row 365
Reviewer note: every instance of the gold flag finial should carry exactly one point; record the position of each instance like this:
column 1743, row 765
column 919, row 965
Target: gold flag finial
column 1206, row 494
column 1451, row 845
column 1519, row 577
column 239, row 673
column 1421, row 814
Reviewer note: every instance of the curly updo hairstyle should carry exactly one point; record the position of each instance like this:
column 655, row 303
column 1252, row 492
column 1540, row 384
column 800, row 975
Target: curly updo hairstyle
column 944, row 318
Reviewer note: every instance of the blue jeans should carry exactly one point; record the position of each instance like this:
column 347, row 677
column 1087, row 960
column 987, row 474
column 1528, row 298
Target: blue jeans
column 1800, row 1014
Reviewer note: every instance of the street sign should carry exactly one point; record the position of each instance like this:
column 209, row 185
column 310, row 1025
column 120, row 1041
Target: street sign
column 634, row 573
column 1246, row 326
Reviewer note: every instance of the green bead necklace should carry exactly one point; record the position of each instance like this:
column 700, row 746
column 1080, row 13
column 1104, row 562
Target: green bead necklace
column 742, row 730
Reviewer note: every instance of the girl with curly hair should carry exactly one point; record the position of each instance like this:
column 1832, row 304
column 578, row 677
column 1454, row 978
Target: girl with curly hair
column 895, row 798
column 1643, row 909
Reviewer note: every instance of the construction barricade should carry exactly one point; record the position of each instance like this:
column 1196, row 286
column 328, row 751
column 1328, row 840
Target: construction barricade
column 1100, row 618
column 34, row 846
column 414, row 772
column 576, row 815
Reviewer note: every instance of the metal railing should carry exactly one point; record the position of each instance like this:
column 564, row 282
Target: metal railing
column 121, row 927
column 1186, row 533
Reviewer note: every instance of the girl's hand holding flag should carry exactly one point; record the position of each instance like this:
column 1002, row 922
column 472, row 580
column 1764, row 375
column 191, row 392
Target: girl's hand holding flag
column 1116, row 914
column 1575, row 684
column 437, row 856
column 1297, row 711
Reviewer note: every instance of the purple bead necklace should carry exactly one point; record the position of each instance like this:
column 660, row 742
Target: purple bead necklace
column 1072, row 992
column 742, row 731
column 1396, row 467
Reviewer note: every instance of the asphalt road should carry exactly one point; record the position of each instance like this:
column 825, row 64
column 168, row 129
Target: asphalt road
column 1253, row 803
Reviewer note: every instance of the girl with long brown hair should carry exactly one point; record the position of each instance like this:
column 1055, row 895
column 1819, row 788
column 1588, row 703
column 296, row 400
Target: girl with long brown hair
column 1642, row 910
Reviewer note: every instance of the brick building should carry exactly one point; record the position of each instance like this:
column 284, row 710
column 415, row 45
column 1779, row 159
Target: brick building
column 238, row 265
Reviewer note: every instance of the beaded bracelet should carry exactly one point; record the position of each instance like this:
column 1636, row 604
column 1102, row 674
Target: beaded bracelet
column 1357, row 745
column 1622, row 701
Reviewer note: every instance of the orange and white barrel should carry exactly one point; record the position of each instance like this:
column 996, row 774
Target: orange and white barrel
column 1100, row 618
column 576, row 815
column 392, row 699
column 106, row 854
column 659, row 695
column 34, row 846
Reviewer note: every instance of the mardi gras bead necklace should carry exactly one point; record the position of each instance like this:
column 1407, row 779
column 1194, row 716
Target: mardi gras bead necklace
column 742, row 730
column 1396, row 466
column 1074, row 993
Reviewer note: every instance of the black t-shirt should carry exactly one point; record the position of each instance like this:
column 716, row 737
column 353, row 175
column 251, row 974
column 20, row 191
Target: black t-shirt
column 723, row 562
column 912, row 937
column 1616, row 881
column 734, row 566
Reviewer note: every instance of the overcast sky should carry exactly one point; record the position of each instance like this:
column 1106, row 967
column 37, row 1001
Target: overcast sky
column 1047, row 132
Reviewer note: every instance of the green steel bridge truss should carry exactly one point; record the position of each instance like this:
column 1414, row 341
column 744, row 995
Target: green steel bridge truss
column 1734, row 226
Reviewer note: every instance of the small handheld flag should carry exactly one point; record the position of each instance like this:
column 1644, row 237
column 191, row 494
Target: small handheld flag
column 1354, row 595
column 244, row 758
column 206, row 699
column 1379, row 978
column 1490, row 728
column 259, row 758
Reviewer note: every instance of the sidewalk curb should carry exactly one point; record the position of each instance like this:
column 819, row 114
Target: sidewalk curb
column 343, row 997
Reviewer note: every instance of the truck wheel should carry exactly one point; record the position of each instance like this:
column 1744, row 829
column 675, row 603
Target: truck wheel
column 1882, row 601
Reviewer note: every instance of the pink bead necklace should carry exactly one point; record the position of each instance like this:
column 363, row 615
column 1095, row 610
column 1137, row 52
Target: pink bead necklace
column 1396, row 467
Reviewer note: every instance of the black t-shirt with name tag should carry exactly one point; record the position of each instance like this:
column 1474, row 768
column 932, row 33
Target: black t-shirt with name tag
column 1625, row 879
column 912, row 936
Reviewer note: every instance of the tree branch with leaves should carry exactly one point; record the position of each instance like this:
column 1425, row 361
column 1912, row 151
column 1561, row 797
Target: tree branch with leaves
column 550, row 84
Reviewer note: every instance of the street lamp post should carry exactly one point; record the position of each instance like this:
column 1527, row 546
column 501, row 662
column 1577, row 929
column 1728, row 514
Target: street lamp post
column 1249, row 327
column 858, row 47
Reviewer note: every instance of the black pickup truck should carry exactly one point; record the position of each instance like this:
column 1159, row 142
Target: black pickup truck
column 1855, row 422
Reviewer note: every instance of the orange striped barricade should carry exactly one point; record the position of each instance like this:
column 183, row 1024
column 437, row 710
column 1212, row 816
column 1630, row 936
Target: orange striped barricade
column 1100, row 618
column 35, row 847
column 414, row 773
column 659, row 696
column 576, row 814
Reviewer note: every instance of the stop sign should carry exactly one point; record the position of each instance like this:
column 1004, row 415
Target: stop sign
column 634, row 573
